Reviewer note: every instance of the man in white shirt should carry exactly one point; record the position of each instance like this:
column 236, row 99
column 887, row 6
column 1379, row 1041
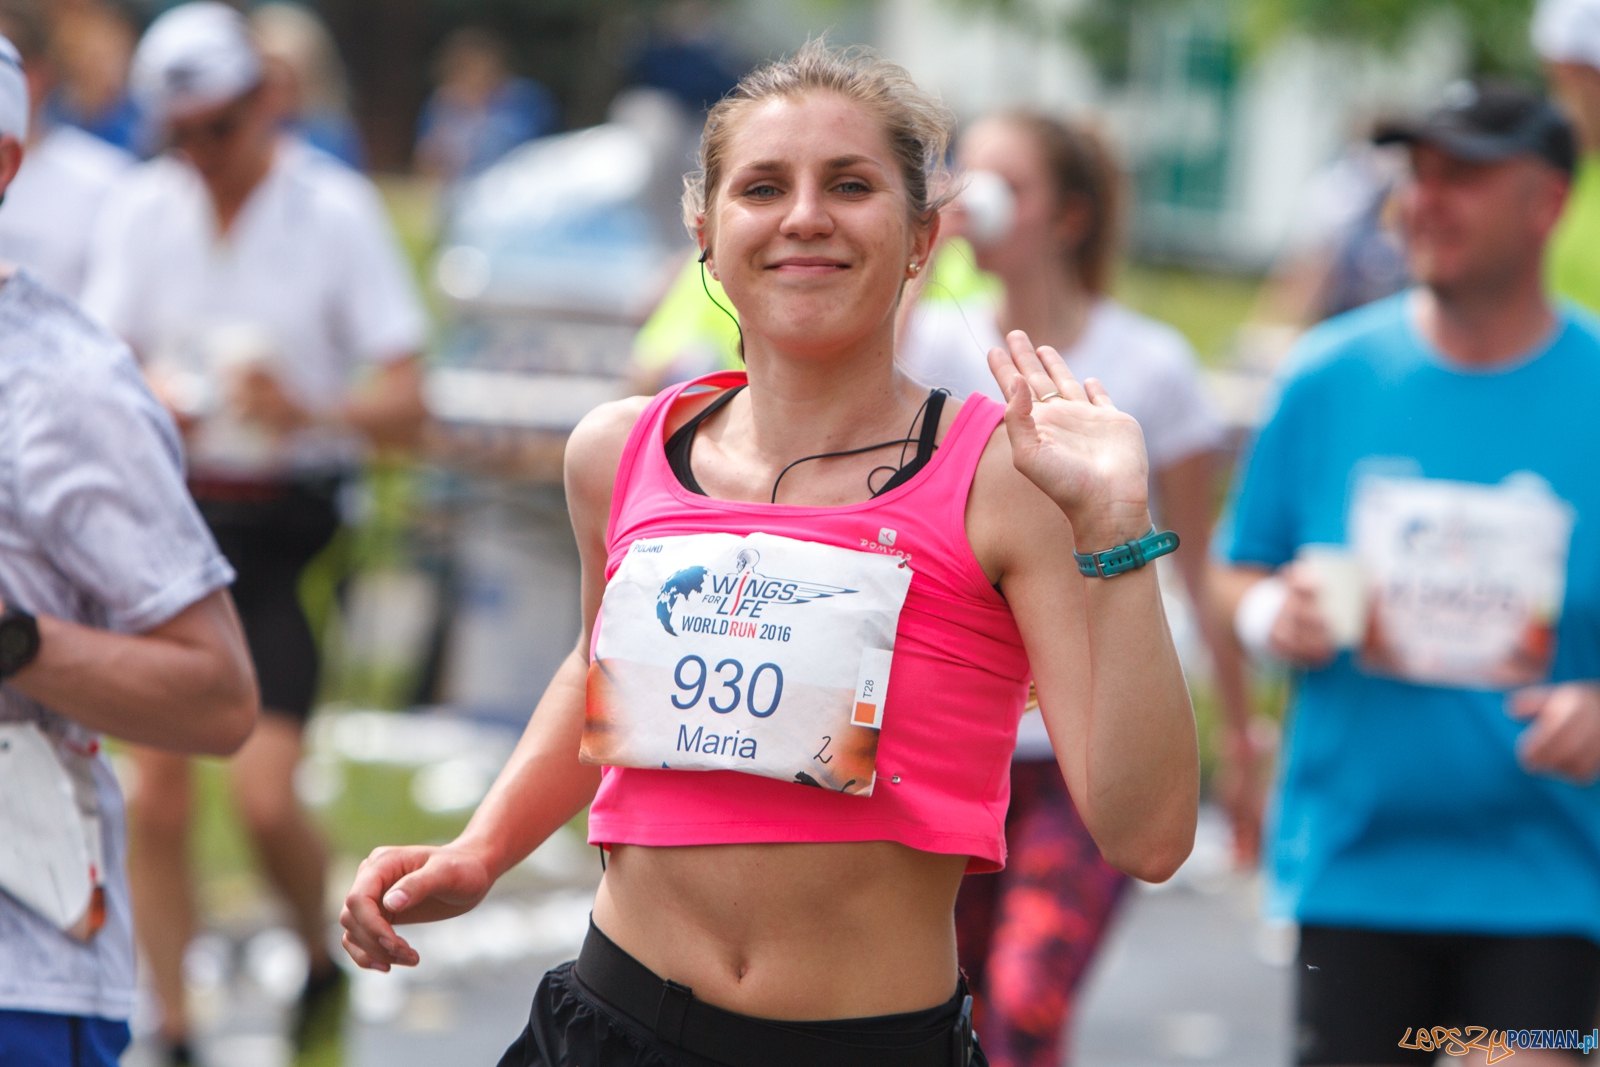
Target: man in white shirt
column 114, row 617
column 65, row 176
column 258, row 280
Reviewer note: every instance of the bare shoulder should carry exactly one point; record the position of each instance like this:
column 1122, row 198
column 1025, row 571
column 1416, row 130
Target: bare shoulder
column 594, row 452
column 1009, row 519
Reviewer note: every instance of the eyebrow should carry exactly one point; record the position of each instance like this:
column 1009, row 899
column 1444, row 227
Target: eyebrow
column 837, row 163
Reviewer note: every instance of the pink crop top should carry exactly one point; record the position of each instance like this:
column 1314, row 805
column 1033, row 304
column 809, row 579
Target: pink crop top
column 959, row 681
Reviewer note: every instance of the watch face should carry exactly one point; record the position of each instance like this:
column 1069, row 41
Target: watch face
column 17, row 644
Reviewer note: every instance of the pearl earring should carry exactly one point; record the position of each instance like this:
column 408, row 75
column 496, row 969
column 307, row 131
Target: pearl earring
column 916, row 268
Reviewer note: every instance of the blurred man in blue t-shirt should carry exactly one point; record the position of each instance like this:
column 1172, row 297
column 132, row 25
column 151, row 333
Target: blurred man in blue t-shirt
column 1417, row 533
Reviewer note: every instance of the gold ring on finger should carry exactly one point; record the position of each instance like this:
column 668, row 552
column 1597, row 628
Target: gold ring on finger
column 1051, row 395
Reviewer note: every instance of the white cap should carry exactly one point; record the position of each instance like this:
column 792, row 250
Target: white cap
column 13, row 93
column 194, row 57
column 1568, row 31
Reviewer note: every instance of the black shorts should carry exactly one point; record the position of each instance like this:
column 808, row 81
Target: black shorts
column 1360, row 991
column 269, row 534
column 572, row 1026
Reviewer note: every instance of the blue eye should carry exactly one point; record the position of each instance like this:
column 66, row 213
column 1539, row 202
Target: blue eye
column 763, row 192
column 852, row 187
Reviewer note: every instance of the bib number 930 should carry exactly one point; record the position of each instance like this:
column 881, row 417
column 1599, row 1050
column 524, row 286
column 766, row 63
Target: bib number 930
column 764, row 686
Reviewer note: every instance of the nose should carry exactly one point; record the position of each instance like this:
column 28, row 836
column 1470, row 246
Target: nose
column 807, row 218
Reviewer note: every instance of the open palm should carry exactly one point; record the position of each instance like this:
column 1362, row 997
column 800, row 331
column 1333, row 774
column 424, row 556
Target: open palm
column 1075, row 446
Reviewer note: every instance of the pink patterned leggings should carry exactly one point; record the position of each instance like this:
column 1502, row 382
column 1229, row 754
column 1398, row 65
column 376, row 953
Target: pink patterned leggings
column 1027, row 934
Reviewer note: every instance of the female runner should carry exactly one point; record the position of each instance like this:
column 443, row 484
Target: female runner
column 756, row 594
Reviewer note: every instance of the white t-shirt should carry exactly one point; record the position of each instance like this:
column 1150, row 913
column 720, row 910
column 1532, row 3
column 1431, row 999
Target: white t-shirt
column 96, row 527
column 1148, row 368
column 310, row 268
column 51, row 205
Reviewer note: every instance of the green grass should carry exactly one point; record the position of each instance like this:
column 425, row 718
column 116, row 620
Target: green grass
column 1206, row 308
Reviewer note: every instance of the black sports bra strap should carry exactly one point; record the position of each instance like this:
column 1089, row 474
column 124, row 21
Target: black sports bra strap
column 930, row 426
column 926, row 446
column 681, row 444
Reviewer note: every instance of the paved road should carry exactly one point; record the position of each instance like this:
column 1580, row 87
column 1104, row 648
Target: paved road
column 1189, row 975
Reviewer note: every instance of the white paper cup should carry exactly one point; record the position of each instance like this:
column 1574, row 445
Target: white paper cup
column 1341, row 591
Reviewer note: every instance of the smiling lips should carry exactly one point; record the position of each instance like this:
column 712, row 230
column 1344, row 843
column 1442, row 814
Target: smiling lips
column 808, row 265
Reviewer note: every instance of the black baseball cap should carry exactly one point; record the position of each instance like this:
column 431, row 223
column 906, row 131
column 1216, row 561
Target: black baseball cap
column 1487, row 121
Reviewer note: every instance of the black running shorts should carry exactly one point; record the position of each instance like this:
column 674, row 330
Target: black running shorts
column 1361, row 991
column 269, row 536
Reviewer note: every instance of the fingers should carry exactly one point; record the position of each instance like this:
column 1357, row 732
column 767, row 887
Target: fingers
column 1004, row 371
column 1055, row 375
column 1043, row 379
column 1525, row 703
column 1564, row 739
column 369, row 936
column 1019, row 411
column 417, row 886
column 1097, row 394
column 1300, row 635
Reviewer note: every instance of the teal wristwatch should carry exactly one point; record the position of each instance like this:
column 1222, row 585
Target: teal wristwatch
column 1127, row 557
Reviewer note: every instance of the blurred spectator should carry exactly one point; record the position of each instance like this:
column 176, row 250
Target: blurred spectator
column 479, row 111
column 93, row 44
column 292, row 36
column 1566, row 34
column 1417, row 534
column 114, row 617
column 1041, row 208
column 685, row 57
column 66, row 173
column 257, row 278
column 1345, row 251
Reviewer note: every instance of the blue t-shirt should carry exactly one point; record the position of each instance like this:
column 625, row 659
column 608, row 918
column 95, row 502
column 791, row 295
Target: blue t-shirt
column 1402, row 806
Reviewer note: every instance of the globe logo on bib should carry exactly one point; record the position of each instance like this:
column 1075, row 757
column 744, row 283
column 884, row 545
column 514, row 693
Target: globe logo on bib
column 689, row 580
column 740, row 594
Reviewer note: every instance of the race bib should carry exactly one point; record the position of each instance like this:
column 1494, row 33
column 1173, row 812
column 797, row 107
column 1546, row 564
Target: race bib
column 1466, row 580
column 760, row 654
column 51, row 854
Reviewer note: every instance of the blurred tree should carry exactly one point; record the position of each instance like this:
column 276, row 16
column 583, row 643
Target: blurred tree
column 1496, row 29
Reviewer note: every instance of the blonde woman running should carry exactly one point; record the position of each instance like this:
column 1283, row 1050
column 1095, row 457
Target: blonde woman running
column 824, row 592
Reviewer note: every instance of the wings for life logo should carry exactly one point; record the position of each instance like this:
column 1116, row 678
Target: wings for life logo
column 737, row 599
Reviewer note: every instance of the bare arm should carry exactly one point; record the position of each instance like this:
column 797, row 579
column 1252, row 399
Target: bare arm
column 389, row 411
column 1126, row 739
column 543, row 785
column 1186, row 500
column 186, row 685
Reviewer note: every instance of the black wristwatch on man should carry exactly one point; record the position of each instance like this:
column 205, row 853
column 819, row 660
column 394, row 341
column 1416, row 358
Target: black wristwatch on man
column 19, row 641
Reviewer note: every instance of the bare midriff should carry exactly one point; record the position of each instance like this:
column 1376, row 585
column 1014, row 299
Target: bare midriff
column 806, row 931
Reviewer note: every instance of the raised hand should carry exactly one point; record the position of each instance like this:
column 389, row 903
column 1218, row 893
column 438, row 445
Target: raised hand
column 413, row 884
column 1072, row 442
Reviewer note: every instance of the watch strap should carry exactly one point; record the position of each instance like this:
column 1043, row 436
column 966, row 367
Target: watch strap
column 1129, row 556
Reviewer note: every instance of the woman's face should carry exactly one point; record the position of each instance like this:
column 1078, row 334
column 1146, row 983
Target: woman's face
column 1041, row 230
column 809, row 231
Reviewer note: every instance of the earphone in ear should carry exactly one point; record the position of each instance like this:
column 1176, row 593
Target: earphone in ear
column 704, row 252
